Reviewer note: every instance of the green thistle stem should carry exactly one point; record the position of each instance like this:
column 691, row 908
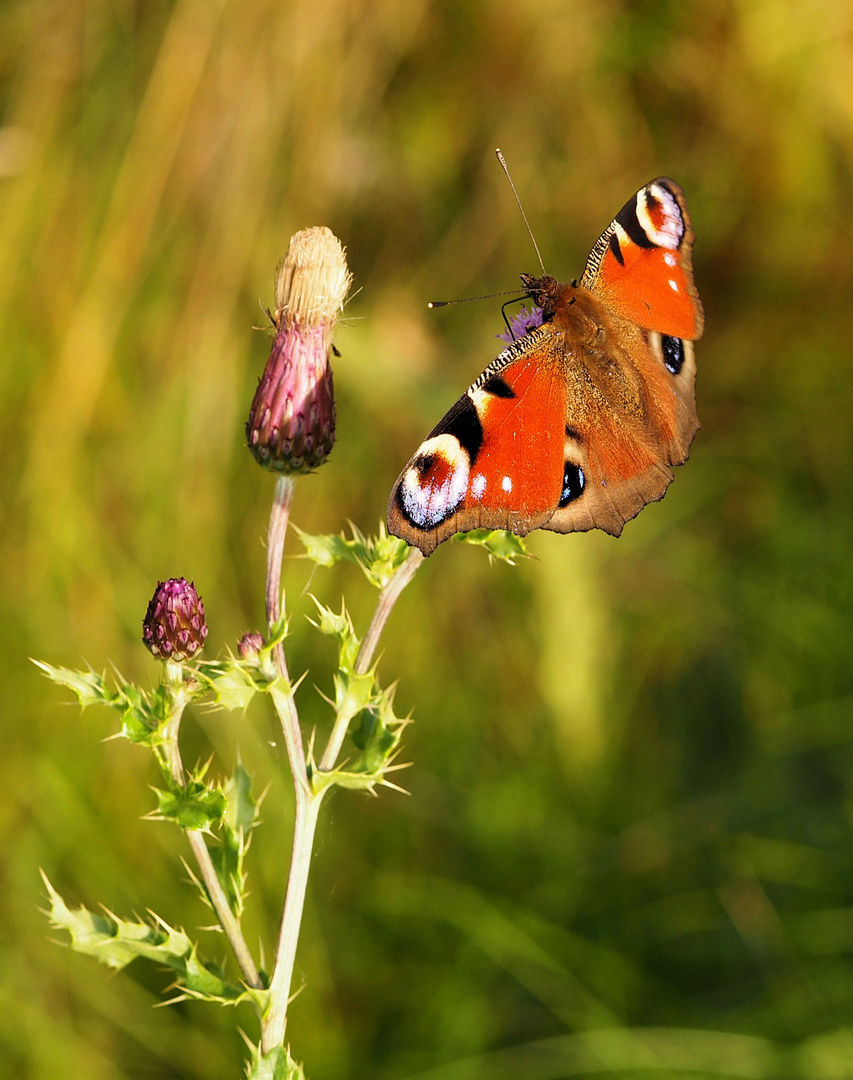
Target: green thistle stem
column 305, row 825
column 285, row 705
column 384, row 606
column 307, row 801
column 173, row 676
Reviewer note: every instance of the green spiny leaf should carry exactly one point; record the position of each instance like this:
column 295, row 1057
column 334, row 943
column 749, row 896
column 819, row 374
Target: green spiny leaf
column 116, row 942
column 233, row 685
column 89, row 687
column 377, row 735
column 276, row 1065
column 499, row 543
column 241, row 816
column 196, row 806
column 378, row 556
column 242, row 813
column 341, row 629
column 353, row 692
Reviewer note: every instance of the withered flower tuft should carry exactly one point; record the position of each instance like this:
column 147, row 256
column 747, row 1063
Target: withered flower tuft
column 291, row 425
column 174, row 628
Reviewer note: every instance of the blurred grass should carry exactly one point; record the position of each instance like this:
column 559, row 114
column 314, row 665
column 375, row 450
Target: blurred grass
column 628, row 845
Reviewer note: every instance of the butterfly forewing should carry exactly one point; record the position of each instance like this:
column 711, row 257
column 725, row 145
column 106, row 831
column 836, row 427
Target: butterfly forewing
column 642, row 267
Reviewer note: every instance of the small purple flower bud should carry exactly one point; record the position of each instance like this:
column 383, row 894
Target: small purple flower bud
column 250, row 645
column 522, row 323
column 174, row 628
column 291, row 425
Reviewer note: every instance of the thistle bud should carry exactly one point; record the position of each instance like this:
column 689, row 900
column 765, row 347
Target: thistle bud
column 174, row 628
column 250, row 645
column 291, row 425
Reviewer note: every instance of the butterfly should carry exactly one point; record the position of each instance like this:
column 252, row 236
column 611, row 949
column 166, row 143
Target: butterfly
column 578, row 423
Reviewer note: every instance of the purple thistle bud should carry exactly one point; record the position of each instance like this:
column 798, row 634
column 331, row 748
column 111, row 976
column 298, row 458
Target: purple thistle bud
column 250, row 645
column 291, row 425
column 174, row 628
column 522, row 323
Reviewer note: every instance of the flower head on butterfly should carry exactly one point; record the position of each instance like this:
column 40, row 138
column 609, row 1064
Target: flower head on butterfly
column 291, row 425
column 174, row 628
column 521, row 323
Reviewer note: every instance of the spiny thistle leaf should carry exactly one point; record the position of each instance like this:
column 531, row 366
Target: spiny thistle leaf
column 353, row 692
column 377, row 735
column 116, row 942
column 196, row 806
column 341, row 629
column 89, row 687
column 378, row 556
column 241, row 816
column 499, row 543
column 142, row 713
column 233, row 686
column 276, row 1065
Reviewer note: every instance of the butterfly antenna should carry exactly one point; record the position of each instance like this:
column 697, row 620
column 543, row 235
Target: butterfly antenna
column 502, row 160
column 469, row 299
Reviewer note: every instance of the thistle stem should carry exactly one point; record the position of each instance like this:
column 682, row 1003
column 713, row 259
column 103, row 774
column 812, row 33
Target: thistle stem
column 285, row 705
column 174, row 678
column 307, row 810
column 226, row 917
column 307, row 800
column 384, row 606
column 307, row 803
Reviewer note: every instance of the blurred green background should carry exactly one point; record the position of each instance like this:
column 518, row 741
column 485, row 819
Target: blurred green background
column 628, row 848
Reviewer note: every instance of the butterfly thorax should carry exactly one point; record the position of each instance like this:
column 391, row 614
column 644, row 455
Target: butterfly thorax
column 570, row 310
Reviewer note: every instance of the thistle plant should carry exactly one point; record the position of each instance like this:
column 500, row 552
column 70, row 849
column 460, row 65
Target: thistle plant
column 290, row 431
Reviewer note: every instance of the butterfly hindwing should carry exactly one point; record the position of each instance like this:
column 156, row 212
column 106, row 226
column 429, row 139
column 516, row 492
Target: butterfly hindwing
column 639, row 430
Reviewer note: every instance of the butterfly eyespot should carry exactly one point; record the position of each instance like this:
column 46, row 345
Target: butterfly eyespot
column 673, row 353
column 433, row 487
column 573, row 483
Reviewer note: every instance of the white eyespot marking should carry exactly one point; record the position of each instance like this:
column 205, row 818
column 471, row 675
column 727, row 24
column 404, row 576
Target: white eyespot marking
column 669, row 259
column 435, row 483
column 673, row 285
column 660, row 216
column 506, row 483
column 478, row 486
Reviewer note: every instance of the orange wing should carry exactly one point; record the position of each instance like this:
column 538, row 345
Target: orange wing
column 642, row 266
column 496, row 459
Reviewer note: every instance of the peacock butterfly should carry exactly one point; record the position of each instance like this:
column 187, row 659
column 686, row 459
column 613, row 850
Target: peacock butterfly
column 578, row 423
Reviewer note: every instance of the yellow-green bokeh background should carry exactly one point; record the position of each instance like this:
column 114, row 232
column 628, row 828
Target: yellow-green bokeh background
column 631, row 809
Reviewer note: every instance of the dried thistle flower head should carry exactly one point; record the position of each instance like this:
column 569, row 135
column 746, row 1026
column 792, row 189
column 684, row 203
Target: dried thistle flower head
column 174, row 628
column 291, row 425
